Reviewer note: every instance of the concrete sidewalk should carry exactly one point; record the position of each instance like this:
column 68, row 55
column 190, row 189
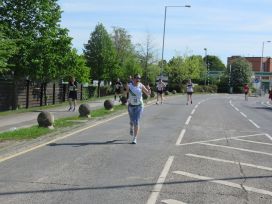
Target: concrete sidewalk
column 27, row 119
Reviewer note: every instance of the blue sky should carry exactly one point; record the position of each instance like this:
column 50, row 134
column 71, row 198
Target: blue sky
column 224, row 27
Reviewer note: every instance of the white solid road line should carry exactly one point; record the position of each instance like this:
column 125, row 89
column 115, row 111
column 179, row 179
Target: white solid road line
column 236, row 108
column 229, row 161
column 188, row 120
column 243, row 114
column 170, row 201
column 193, row 111
column 226, row 183
column 229, row 138
column 255, row 142
column 267, row 135
column 239, row 149
column 181, row 135
column 257, row 126
column 158, row 186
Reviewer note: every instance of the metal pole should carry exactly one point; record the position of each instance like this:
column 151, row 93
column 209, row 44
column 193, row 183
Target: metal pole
column 165, row 10
column 163, row 37
column 206, row 65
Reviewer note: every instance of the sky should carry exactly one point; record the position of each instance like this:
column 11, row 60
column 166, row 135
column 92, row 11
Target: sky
column 225, row 27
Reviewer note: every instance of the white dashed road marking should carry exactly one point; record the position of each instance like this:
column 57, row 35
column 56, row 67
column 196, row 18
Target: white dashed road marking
column 188, row 120
column 257, row 126
column 226, row 183
column 170, row 201
column 181, row 135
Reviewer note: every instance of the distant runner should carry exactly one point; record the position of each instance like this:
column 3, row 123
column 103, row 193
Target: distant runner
column 246, row 90
column 118, row 87
column 190, row 91
column 160, row 87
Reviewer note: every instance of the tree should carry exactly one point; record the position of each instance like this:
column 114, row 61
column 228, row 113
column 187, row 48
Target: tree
column 215, row 64
column 7, row 50
column 100, row 55
column 146, row 55
column 241, row 72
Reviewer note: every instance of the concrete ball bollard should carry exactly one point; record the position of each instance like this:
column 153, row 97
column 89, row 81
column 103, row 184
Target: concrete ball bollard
column 124, row 100
column 84, row 110
column 166, row 93
column 174, row 92
column 108, row 105
column 46, row 119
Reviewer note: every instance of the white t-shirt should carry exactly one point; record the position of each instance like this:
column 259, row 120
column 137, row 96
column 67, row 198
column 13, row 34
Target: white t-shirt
column 190, row 87
column 135, row 94
column 160, row 86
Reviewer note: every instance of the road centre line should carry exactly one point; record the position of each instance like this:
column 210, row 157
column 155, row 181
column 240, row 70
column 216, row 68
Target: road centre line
column 250, row 141
column 229, row 138
column 158, row 186
column 236, row 108
column 226, row 183
column 257, row 126
column 243, row 114
column 181, row 135
column 188, row 120
column 193, row 111
column 239, row 149
column 229, row 161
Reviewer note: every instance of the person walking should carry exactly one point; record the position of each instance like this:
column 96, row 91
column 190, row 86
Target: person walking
column 135, row 104
column 246, row 90
column 160, row 87
column 118, row 87
column 190, row 91
column 72, row 95
column 270, row 94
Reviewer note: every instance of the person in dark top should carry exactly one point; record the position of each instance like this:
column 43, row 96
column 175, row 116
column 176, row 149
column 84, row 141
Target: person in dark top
column 118, row 87
column 246, row 90
column 72, row 95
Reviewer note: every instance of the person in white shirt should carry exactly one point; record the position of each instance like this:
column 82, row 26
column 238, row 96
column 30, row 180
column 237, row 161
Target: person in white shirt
column 135, row 104
column 160, row 87
column 190, row 91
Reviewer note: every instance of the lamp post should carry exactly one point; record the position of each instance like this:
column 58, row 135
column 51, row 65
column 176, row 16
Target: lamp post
column 165, row 11
column 207, row 65
column 262, row 66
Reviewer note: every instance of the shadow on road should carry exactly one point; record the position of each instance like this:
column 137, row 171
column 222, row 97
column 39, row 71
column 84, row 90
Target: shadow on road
column 57, row 190
column 89, row 143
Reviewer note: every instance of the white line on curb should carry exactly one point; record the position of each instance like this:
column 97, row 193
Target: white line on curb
column 226, row 183
column 181, row 135
column 158, row 186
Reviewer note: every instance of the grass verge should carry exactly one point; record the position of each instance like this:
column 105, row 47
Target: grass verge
column 35, row 131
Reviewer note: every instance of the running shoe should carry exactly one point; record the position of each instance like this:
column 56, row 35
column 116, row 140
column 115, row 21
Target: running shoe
column 134, row 141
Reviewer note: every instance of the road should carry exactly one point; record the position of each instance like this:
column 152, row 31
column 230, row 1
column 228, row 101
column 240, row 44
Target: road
column 218, row 150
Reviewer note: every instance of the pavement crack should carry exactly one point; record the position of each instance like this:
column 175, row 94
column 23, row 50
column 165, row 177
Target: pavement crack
column 245, row 194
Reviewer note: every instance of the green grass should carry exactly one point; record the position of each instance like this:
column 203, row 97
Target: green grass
column 35, row 131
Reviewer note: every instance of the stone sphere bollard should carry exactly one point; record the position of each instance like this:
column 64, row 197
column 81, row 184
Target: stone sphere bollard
column 123, row 100
column 166, row 93
column 45, row 119
column 174, row 92
column 108, row 105
column 84, row 110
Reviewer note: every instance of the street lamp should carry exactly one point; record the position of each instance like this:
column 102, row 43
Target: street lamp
column 206, row 62
column 165, row 11
column 262, row 67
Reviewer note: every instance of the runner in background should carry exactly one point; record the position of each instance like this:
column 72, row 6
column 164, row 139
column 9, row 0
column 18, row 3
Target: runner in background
column 246, row 90
column 72, row 95
column 118, row 87
column 160, row 88
column 190, row 91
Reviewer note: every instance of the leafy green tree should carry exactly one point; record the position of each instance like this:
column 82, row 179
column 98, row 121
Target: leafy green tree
column 241, row 72
column 7, row 50
column 100, row 55
column 215, row 64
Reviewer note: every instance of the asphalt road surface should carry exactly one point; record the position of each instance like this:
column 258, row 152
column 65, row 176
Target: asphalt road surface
column 217, row 150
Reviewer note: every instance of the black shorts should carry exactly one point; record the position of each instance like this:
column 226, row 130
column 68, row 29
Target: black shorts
column 189, row 93
column 159, row 92
column 246, row 93
column 117, row 91
column 72, row 95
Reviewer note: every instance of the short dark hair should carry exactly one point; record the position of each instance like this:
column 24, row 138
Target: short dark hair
column 137, row 76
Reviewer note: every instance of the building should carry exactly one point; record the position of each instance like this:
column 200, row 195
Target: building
column 257, row 69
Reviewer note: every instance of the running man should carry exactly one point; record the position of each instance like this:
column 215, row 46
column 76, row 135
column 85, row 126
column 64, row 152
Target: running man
column 190, row 91
column 160, row 87
column 118, row 87
column 246, row 90
column 135, row 104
